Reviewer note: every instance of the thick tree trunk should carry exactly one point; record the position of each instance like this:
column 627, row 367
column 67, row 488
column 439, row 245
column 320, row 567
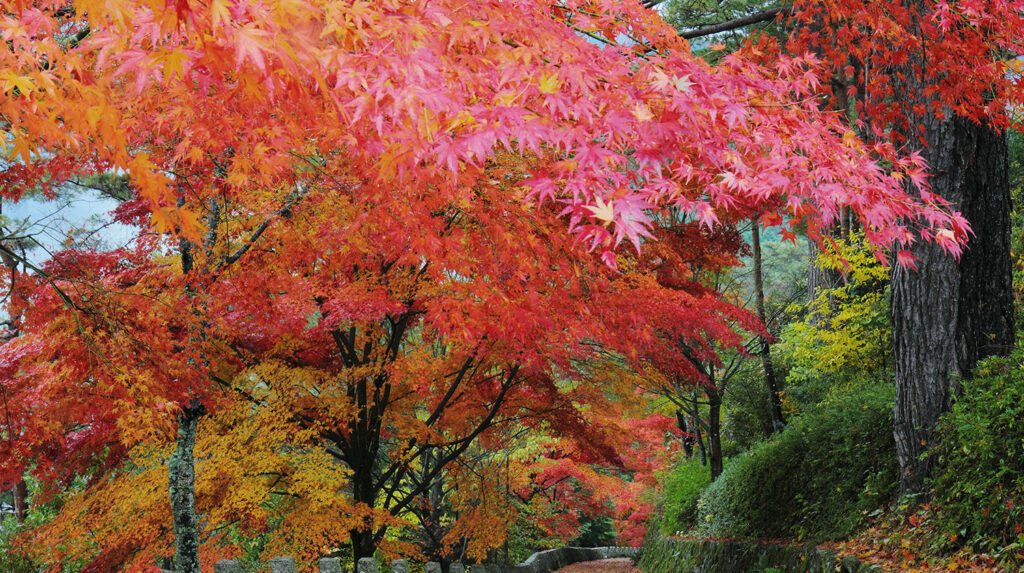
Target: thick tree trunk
column 924, row 309
column 363, row 539
column 182, row 475
column 363, row 544
column 985, row 324
column 947, row 315
column 774, row 402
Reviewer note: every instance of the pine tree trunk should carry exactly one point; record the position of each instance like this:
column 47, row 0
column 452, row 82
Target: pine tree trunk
column 947, row 315
column 986, row 316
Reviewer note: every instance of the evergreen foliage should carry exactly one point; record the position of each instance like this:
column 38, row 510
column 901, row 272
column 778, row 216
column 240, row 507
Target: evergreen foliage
column 816, row 480
column 979, row 480
column 681, row 489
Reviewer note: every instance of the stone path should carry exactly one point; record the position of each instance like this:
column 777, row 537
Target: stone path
column 621, row 565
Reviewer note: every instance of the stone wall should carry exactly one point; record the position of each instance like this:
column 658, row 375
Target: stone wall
column 540, row 562
column 673, row 555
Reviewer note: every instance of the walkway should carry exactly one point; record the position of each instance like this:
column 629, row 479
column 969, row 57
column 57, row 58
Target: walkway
column 619, row 565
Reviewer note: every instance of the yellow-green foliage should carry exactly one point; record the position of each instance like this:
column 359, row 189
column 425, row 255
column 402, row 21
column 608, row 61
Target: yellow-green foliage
column 846, row 333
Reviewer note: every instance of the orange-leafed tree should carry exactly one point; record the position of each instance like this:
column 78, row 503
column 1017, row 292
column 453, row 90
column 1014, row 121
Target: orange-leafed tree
column 355, row 361
column 235, row 121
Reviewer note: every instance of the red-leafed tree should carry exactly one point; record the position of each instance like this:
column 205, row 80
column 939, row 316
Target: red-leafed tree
column 316, row 159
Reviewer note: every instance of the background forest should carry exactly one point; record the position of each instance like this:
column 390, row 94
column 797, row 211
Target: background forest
column 410, row 279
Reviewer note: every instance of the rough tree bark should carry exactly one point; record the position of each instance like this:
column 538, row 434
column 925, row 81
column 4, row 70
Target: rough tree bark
column 181, row 470
column 181, row 477
column 948, row 314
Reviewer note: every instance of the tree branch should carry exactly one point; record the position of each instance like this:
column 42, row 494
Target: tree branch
column 282, row 213
column 735, row 23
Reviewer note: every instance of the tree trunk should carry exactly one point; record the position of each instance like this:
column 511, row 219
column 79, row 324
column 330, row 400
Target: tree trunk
column 687, row 436
column 948, row 315
column 715, row 433
column 774, row 402
column 819, row 279
column 985, row 324
column 20, row 493
column 698, row 436
column 181, row 469
column 700, row 446
column 363, row 544
column 182, row 475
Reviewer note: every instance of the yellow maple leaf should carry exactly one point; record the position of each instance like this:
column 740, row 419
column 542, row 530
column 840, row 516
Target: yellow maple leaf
column 173, row 65
column 549, row 83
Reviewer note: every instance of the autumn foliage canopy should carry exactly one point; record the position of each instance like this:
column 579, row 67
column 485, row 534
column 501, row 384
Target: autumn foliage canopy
column 378, row 242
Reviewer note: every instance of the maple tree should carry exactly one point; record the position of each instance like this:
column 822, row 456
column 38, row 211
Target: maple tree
column 385, row 355
column 698, row 374
column 315, row 159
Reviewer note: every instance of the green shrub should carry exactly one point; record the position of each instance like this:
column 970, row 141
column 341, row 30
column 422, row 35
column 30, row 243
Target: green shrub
column 816, row 479
column 979, row 475
column 681, row 488
column 595, row 531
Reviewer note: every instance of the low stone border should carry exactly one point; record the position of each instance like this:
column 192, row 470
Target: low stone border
column 540, row 562
column 547, row 561
column 673, row 555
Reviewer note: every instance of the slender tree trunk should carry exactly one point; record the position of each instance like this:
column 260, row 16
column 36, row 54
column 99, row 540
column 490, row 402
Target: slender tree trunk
column 181, row 468
column 20, row 493
column 182, row 474
column 715, row 433
column 697, row 430
column 947, row 315
column 687, row 437
column 774, row 402
column 819, row 279
column 700, row 446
